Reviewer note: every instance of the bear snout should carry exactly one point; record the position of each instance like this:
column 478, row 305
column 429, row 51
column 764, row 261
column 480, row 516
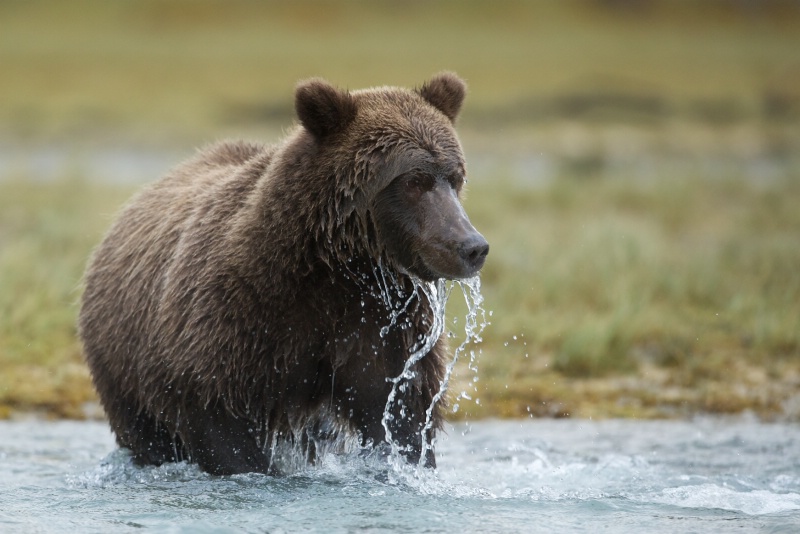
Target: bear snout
column 455, row 259
column 473, row 252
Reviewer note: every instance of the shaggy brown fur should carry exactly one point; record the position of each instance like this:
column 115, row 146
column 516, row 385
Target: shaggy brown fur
column 238, row 302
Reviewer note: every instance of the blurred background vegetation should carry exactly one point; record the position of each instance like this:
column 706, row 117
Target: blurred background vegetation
column 634, row 164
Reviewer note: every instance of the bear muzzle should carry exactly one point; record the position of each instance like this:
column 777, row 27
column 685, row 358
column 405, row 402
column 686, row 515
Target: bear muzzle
column 455, row 257
column 473, row 252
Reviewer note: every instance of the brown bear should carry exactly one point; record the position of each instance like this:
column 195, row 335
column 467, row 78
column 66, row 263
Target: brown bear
column 268, row 294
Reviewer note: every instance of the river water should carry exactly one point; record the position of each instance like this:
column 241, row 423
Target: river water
column 705, row 475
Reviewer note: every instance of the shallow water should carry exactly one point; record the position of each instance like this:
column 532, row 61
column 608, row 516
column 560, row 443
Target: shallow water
column 496, row 476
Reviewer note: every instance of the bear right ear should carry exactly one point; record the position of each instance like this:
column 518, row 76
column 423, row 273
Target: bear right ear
column 445, row 92
column 322, row 108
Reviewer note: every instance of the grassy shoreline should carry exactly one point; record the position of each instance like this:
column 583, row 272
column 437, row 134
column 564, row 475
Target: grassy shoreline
column 610, row 297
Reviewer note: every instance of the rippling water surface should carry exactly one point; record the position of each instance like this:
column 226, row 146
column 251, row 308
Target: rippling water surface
column 708, row 475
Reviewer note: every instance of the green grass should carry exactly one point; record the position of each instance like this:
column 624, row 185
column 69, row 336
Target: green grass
column 46, row 233
column 688, row 288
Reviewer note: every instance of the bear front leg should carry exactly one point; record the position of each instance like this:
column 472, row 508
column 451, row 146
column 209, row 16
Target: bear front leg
column 364, row 383
column 413, row 429
column 223, row 444
column 405, row 420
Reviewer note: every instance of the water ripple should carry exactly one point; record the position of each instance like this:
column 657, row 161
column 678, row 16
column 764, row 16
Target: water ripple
column 494, row 476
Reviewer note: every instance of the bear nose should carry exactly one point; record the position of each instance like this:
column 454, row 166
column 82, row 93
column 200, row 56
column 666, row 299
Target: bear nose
column 473, row 251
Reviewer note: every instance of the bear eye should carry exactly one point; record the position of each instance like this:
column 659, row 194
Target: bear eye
column 457, row 181
column 418, row 183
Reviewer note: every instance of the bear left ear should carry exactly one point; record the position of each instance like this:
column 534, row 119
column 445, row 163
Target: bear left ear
column 322, row 108
column 445, row 92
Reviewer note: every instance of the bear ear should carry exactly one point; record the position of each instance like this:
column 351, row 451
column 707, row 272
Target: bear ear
column 322, row 108
column 445, row 92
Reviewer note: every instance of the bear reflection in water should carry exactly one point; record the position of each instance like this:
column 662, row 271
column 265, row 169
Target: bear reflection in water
column 241, row 302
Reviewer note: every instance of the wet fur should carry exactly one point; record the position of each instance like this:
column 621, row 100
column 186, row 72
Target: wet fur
column 237, row 303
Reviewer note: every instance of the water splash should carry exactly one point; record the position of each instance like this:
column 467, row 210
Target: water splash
column 437, row 295
column 396, row 308
column 474, row 325
column 437, row 298
column 118, row 468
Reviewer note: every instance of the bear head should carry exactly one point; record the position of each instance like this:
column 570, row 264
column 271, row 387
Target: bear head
column 397, row 170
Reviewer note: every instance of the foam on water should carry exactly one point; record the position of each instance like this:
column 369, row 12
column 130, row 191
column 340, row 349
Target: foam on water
column 755, row 502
